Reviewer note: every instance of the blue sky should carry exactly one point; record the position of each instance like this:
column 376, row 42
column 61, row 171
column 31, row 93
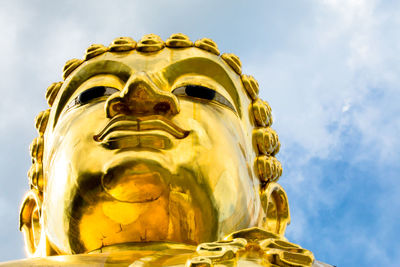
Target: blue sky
column 329, row 69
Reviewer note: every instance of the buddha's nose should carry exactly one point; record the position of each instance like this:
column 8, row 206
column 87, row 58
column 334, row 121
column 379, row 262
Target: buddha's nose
column 141, row 97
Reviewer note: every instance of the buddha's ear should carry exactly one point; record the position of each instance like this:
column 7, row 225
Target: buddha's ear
column 31, row 224
column 276, row 209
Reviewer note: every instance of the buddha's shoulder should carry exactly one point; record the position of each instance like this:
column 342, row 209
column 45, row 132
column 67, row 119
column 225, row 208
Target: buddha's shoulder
column 106, row 260
column 244, row 248
column 153, row 258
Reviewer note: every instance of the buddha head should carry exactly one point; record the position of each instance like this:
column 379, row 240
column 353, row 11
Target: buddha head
column 151, row 141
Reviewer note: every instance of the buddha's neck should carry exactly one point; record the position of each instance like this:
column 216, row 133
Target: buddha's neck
column 146, row 246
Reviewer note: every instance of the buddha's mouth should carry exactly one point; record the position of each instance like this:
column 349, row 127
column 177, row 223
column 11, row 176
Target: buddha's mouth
column 141, row 124
column 140, row 132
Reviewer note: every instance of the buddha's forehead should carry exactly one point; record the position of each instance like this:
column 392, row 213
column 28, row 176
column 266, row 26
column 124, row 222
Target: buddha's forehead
column 165, row 67
column 150, row 62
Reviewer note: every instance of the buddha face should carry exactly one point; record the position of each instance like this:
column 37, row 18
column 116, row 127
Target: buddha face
column 148, row 147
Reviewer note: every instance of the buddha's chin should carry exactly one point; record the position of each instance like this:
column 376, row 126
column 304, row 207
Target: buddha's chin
column 133, row 206
column 135, row 183
column 116, row 222
column 138, row 200
column 149, row 160
column 171, row 217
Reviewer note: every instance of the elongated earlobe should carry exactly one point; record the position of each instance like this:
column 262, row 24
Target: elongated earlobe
column 276, row 209
column 31, row 225
column 30, row 222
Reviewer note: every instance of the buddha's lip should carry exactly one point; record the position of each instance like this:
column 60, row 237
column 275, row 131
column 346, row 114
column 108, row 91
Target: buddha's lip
column 141, row 124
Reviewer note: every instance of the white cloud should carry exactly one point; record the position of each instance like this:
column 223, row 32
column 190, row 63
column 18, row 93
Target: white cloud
column 337, row 80
column 346, row 107
column 340, row 62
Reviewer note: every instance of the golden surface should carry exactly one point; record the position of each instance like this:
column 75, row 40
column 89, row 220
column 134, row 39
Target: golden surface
column 149, row 150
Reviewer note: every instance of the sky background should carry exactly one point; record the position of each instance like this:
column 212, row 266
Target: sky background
column 329, row 69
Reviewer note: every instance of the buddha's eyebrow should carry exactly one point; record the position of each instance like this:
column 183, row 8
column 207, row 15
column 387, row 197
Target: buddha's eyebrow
column 205, row 67
column 87, row 71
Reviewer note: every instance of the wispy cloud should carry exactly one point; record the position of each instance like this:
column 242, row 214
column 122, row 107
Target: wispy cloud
column 334, row 92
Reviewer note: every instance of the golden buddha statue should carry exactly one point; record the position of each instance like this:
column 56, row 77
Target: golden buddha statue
column 156, row 153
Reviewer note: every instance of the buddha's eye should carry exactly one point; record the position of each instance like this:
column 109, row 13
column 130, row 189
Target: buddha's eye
column 91, row 94
column 198, row 91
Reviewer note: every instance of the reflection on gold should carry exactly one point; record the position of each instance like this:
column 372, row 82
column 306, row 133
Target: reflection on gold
column 150, row 149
